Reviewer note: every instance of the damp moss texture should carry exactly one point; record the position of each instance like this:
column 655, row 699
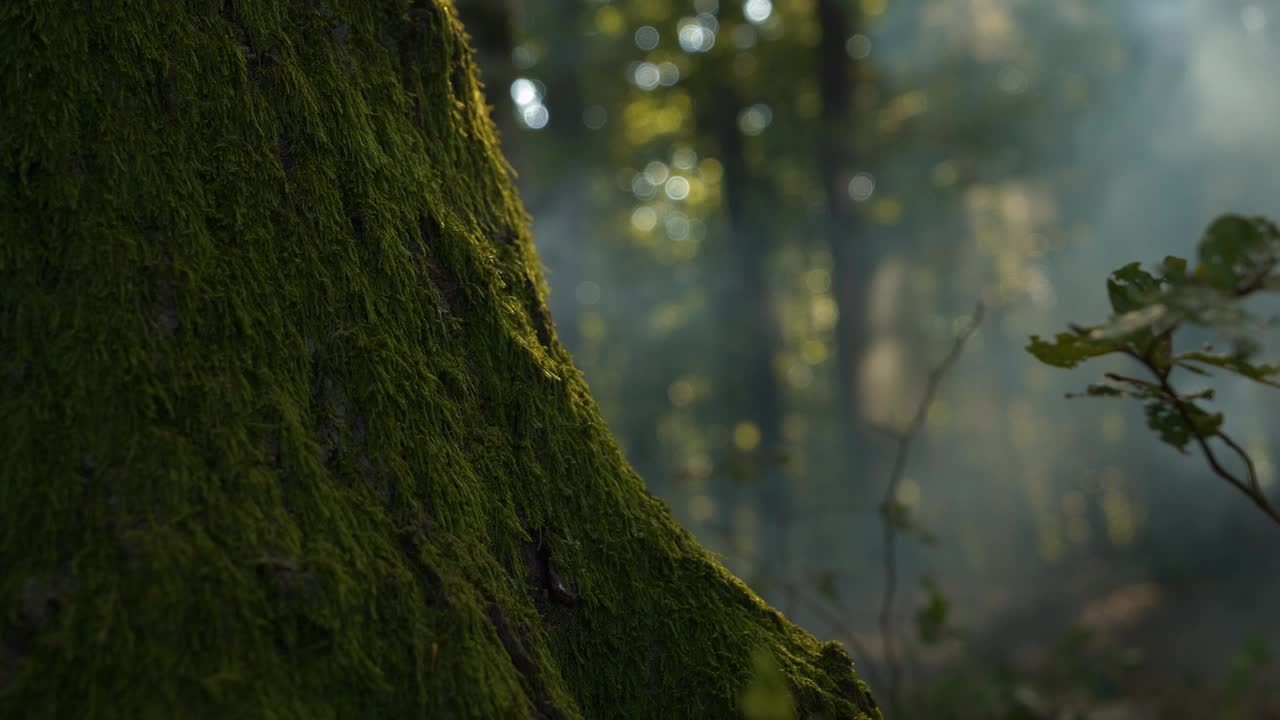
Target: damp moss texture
column 285, row 430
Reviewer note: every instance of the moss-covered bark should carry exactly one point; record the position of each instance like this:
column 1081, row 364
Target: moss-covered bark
column 284, row 427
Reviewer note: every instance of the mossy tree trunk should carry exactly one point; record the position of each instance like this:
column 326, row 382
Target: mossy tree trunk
column 285, row 429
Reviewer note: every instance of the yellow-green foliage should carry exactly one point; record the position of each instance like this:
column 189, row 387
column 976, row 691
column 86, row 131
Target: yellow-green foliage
column 284, row 428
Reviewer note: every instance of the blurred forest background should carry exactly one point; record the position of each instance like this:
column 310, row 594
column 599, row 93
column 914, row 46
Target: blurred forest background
column 765, row 222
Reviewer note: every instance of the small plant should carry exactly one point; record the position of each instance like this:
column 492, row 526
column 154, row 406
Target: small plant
column 1237, row 258
column 766, row 696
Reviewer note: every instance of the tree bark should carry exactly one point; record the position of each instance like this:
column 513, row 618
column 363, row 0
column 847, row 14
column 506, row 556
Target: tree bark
column 285, row 428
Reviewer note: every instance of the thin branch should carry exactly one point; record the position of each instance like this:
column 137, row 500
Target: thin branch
column 1251, row 487
column 1131, row 380
column 891, row 521
column 1244, row 457
column 892, row 433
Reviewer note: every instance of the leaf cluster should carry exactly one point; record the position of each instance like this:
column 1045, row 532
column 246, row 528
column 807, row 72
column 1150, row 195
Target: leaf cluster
column 1237, row 258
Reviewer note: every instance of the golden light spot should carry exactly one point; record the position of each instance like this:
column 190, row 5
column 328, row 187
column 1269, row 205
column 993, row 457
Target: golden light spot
column 874, row 8
column 880, row 379
column 1124, row 606
column 908, row 492
column 685, row 250
column 912, row 103
column 1112, row 428
column 680, row 393
column 1023, row 426
column 992, row 20
column 814, row 351
column 710, row 170
column 808, row 103
column 945, row 174
column 746, row 436
column 1037, row 377
column 697, row 192
column 667, row 319
column 800, row 375
column 609, row 20
column 591, row 325
column 1117, row 510
column 701, row 508
column 669, row 120
column 818, row 280
column 644, row 218
column 887, row 286
column 1017, row 206
column 886, row 211
column 699, row 467
column 939, row 415
column 1260, row 449
column 825, row 312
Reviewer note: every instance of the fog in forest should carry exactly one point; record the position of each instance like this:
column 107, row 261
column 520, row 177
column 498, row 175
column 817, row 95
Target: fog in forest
column 764, row 225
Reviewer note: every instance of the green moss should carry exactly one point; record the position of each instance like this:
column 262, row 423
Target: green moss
column 284, row 428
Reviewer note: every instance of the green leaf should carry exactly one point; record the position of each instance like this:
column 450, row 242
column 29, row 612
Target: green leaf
column 1237, row 363
column 1105, row 390
column 1237, row 251
column 766, row 696
column 1110, row 390
column 1119, row 386
column 931, row 620
column 1069, row 349
column 1165, row 418
column 899, row 515
column 1173, row 270
column 1131, row 288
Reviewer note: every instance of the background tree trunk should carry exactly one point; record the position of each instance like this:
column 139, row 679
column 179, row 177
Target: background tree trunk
column 851, row 258
column 285, row 428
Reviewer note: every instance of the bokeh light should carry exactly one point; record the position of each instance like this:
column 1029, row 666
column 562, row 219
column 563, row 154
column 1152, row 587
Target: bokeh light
column 757, row 11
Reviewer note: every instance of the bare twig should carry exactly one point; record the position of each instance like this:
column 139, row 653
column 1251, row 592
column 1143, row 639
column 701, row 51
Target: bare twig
column 888, row 506
column 892, row 433
column 1249, row 486
column 1131, row 380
